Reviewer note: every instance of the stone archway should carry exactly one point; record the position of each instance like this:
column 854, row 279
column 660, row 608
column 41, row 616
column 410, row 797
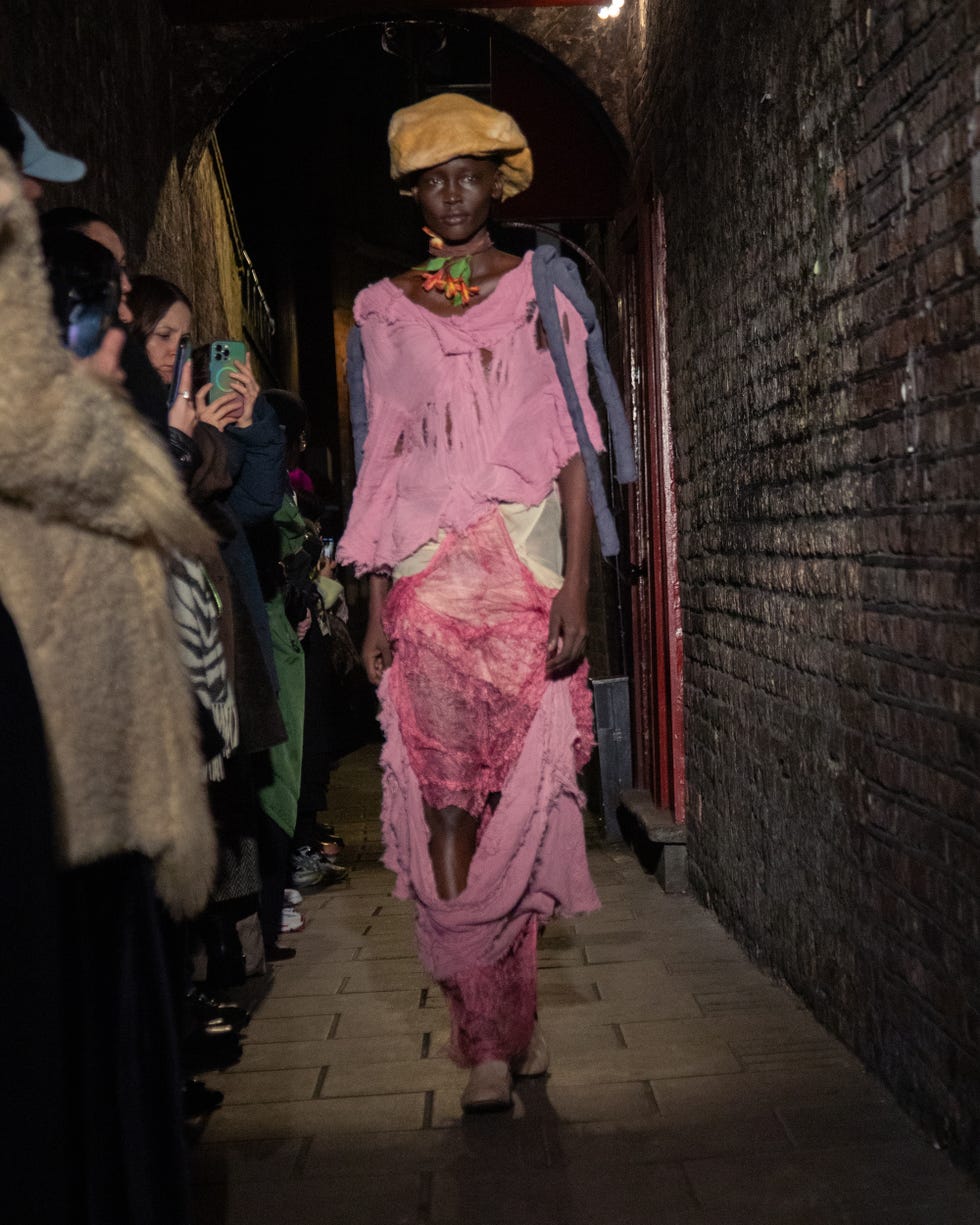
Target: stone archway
column 249, row 63
column 215, row 63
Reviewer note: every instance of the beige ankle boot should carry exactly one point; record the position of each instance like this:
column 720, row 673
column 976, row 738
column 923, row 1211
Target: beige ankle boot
column 488, row 1088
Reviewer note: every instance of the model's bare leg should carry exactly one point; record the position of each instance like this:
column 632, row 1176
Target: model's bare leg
column 452, row 843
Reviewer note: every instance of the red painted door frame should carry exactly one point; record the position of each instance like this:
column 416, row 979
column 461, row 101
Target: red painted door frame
column 658, row 649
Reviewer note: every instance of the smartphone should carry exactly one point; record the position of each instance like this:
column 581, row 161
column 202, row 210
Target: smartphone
column 84, row 281
column 180, row 361
column 222, row 356
column 329, row 548
column 91, row 312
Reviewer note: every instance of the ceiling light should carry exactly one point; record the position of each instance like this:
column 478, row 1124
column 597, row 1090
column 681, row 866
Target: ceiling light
column 612, row 9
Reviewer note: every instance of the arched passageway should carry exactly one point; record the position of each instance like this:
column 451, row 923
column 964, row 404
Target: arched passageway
column 799, row 221
column 347, row 227
column 330, row 220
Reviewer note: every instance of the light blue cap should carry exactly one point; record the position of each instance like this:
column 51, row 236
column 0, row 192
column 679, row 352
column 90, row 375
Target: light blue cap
column 43, row 163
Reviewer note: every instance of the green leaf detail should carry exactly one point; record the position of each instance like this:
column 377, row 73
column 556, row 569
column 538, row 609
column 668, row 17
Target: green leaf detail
column 460, row 268
column 432, row 265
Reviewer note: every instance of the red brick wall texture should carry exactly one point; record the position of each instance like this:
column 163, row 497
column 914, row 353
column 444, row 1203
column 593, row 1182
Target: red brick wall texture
column 820, row 167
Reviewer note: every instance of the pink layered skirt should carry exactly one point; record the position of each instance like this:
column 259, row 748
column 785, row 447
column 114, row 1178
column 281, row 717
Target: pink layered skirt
column 472, row 721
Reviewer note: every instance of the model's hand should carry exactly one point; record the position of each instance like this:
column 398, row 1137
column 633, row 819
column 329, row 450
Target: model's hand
column 244, row 383
column 568, row 628
column 304, row 626
column 375, row 653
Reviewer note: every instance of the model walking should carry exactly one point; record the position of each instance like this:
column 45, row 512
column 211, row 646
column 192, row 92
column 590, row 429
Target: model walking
column 469, row 379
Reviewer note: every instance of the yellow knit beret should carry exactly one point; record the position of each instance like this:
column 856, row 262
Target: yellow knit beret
column 453, row 125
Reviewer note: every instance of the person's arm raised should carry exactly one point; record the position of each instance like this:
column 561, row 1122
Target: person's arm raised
column 259, row 486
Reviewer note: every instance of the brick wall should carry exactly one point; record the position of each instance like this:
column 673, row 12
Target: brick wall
column 821, row 178
column 95, row 77
column 190, row 242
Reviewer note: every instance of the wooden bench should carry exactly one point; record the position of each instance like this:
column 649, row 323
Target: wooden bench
column 659, row 842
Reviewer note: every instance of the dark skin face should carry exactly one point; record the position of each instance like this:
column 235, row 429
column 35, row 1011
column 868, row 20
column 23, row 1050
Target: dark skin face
column 455, row 199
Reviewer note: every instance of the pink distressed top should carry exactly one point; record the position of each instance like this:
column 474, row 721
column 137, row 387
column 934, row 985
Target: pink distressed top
column 463, row 412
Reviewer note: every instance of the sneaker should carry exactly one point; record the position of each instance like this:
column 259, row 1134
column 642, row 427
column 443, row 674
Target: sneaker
column 204, row 1052
column 327, row 863
column 292, row 897
column 198, row 1099
column 307, row 869
column 291, row 920
column 332, row 875
column 206, row 1011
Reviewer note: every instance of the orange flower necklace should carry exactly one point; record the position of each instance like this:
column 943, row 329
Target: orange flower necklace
column 449, row 270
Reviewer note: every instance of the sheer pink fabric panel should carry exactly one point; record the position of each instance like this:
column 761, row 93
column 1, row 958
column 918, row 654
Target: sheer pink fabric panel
column 531, row 858
column 469, row 633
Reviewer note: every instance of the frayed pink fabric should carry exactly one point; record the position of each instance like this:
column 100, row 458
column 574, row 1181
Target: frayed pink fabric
column 470, row 633
column 492, row 1008
column 463, row 411
column 530, row 861
column 466, row 412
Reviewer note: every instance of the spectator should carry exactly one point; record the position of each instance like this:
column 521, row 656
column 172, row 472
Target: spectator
column 89, row 512
column 142, row 383
column 239, row 480
column 84, row 221
column 84, row 282
column 40, row 165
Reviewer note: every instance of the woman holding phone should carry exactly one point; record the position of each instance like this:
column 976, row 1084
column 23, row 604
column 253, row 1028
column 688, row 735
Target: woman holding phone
column 162, row 320
column 232, row 452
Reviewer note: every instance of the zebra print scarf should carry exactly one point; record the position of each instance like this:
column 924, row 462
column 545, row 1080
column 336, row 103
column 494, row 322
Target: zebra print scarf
column 196, row 609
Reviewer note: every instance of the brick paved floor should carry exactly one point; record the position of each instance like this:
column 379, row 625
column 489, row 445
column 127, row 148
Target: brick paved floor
column 686, row 1088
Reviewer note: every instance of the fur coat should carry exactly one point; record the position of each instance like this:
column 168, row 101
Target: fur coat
column 90, row 509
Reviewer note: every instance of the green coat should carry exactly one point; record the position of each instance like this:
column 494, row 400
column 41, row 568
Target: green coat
column 280, row 797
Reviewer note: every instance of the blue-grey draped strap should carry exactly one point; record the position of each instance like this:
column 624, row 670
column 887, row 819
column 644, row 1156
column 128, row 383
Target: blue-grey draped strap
column 552, row 271
column 358, row 400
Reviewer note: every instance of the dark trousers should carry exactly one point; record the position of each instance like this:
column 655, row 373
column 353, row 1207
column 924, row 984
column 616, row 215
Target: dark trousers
column 36, row 1189
column 305, row 827
column 274, row 848
column 91, row 1081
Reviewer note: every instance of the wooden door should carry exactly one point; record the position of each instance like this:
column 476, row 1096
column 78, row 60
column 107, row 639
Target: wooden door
column 658, row 727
